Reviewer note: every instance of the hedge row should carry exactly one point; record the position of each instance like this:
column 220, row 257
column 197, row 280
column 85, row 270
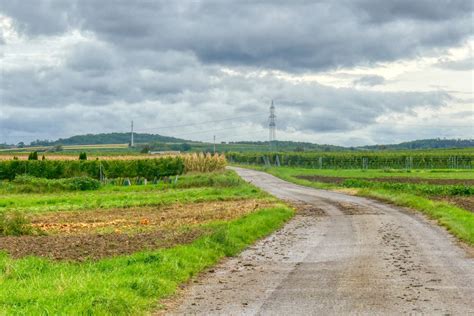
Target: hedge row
column 55, row 169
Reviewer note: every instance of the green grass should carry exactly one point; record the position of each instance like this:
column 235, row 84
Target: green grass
column 189, row 189
column 127, row 284
column 373, row 173
column 458, row 221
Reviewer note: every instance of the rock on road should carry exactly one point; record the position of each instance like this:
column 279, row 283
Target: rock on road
column 345, row 255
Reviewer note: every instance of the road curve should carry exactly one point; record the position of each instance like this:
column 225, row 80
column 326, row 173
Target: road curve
column 343, row 255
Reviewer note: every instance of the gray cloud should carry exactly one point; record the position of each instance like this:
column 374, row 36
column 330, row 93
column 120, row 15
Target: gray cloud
column 161, row 63
column 294, row 36
column 307, row 107
column 460, row 65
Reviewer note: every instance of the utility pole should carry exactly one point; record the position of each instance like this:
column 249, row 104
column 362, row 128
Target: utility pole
column 214, row 144
column 272, row 126
column 131, row 136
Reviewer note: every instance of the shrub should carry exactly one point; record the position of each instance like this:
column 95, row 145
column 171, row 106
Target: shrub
column 33, row 156
column 82, row 183
column 83, row 156
column 29, row 184
column 14, row 224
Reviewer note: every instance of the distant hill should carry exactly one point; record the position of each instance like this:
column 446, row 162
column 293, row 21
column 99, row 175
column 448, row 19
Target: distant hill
column 435, row 143
column 159, row 143
column 294, row 146
column 108, row 138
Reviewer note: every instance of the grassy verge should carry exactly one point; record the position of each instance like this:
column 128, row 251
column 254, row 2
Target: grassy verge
column 458, row 221
column 372, row 173
column 127, row 284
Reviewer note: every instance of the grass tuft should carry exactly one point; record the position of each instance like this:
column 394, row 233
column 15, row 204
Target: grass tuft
column 14, row 224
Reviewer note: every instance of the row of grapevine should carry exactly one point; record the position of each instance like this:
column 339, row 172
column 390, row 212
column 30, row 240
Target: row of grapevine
column 98, row 169
column 348, row 160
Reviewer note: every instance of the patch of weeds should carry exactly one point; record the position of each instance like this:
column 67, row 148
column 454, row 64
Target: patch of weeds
column 15, row 224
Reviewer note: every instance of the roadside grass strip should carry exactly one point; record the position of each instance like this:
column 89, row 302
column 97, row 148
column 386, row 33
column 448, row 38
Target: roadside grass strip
column 456, row 220
column 131, row 284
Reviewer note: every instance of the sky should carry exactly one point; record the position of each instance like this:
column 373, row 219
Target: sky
column 346, row 72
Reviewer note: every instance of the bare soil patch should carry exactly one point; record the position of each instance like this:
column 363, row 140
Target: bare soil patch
column 306, row 209
column 465, row 202
column 340, row 180
column 94, row 246
column 356, row 209
column 96, row 234
column 142, row 219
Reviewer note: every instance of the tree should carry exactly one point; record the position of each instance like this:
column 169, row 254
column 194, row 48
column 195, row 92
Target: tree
column 33, row 156
column 82, row 156
column 181, row 147
column 20, row 145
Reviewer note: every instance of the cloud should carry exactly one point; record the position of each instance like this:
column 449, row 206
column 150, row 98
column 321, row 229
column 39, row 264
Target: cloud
column 466, row 64
column 165, row 63
column 290, row 36
column 156, row 99
column 369, row 80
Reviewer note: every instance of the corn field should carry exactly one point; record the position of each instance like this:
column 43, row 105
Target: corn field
column 204, row 162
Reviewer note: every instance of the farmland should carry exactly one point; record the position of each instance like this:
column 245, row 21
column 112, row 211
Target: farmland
column 117, row 234
column 423, row 159
column 108, row 247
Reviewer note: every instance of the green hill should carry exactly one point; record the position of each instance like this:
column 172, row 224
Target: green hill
column 159, row 142
column 435, row 143
column 108, row 138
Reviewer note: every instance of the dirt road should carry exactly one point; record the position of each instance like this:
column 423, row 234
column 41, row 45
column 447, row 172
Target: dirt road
column 343, row 255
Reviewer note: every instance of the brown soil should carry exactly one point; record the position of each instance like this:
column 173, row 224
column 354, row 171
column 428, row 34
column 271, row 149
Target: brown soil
column 465, row 202
column 339, row 180
column 140, row 219
column 79, row 236
column 306, row 209
column 93, row 246
column 356, row 209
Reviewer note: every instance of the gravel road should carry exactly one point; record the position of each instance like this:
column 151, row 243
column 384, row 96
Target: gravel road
column 341, row 255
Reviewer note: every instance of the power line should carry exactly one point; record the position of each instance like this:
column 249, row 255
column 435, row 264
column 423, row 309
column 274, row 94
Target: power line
column 200, row 123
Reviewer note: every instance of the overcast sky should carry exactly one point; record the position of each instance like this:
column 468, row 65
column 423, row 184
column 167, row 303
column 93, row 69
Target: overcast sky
column 346, row 72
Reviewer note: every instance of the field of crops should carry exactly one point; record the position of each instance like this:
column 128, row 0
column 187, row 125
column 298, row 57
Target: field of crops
column 432, row 159
column 76, row 245
column 143, row 167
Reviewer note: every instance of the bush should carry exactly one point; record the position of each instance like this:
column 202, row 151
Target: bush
column 14, row 224
column 82, row 183
column 83, row 156
column 33, row 156
column 29, row 184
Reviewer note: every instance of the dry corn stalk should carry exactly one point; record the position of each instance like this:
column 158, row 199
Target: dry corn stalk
column 204, row 162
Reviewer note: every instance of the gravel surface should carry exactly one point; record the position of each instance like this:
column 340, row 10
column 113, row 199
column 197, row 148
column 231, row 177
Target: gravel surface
column 357, row 256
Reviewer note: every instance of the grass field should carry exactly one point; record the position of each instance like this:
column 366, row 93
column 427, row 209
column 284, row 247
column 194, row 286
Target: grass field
column 444, row 195
column 120, row 249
